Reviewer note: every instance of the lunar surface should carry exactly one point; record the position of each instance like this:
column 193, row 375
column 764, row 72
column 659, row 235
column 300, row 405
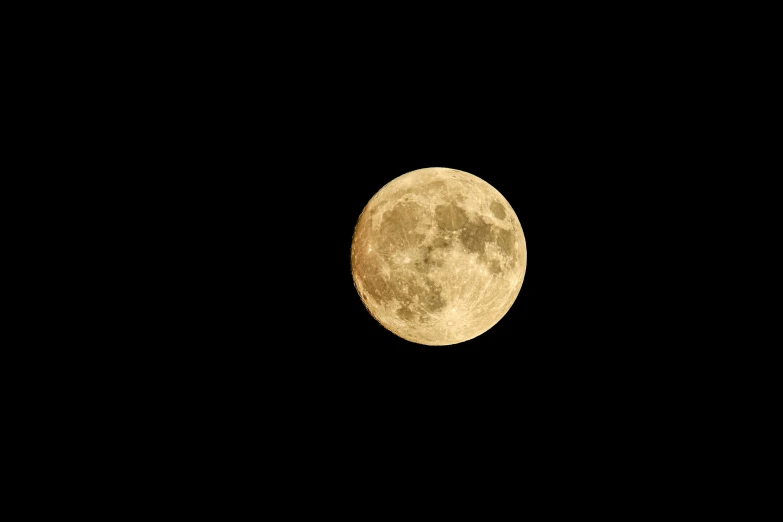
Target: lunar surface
column 438, row 256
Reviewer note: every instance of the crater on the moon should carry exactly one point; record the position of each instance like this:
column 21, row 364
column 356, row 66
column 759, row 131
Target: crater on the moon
column 435, row 259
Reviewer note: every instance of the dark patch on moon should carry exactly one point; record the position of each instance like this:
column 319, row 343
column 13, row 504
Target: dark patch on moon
column 440, row 242
column 475, row 235
column 498, row 210
column 398, row 227
column 450, row 217
column 505, row 240
column 429, row 259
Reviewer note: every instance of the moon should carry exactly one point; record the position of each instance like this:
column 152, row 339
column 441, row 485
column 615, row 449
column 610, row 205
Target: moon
column 438, row 256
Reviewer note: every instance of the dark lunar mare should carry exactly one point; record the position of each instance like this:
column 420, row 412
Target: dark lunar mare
column 419, row 295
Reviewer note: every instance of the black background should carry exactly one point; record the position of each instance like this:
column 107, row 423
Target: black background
column 239, row 159
column 255, row 310
column 254, row 173
column 264, row 227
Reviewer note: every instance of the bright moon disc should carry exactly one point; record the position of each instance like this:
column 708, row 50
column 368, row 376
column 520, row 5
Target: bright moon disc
column 438, row 256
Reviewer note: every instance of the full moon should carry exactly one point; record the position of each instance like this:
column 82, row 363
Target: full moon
column 438, row 256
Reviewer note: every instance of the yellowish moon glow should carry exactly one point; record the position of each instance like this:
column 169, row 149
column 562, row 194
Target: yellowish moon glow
column 438, row 256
